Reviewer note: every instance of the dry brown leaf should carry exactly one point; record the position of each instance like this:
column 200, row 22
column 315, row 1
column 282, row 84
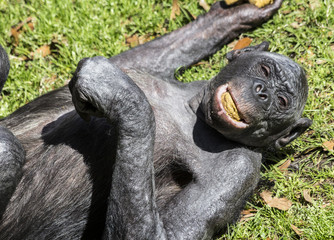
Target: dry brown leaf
column 328, row 146
column 204, row 5
column 326, row 205
column 132, row 41
column 307, row 196
column 279, row 203
column 232, row 44
column 144, row 38
column 266, row 195
column 42, row 51
column 18, row 28
column 242, row 43
column 294, row 228
column 175, row 10
column 248, row 211
column 286, row 12
column 247, row 217
column 285, row 165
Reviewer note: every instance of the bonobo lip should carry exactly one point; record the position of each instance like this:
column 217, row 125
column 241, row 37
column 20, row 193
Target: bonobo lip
column 223, row 113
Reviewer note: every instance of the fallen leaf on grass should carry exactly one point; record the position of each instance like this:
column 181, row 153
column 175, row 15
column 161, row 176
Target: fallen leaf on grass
column 247, row 214
column 175, row 10
column 285, row 165
column 204, row 5
column 135, row 40
column 294, row 228
column 17, row 29
column 247, row 217
column 248, row 211
column 279, row 203
column 132, row 41
column 307, row 196
column 242, row 43
column 326, row 205
column 286, row 12
column 42, row 51
column 328, row 146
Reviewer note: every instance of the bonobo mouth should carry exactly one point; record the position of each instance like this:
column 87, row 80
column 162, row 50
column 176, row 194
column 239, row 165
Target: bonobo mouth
column 228, row 109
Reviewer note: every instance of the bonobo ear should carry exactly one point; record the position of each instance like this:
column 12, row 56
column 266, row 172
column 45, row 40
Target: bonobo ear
column 295, row 131
column 235, row 53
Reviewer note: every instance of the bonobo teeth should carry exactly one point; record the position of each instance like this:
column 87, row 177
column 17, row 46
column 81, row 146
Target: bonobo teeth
column 230, row 106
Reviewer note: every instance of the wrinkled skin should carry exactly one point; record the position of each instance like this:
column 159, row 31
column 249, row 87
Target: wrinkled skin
column 269, row 91
column 130, row 153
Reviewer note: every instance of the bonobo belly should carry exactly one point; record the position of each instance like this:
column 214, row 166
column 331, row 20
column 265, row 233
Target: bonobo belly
column 66, row 181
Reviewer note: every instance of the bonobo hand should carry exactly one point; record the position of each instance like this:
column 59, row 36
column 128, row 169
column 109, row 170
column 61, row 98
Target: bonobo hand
column 101, row 89
column 247, row 14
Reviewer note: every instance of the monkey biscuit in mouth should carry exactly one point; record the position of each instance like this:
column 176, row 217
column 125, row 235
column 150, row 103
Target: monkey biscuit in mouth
column 229, row 106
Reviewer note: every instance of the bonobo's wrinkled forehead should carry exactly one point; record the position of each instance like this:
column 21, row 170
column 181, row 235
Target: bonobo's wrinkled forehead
column 287, row 70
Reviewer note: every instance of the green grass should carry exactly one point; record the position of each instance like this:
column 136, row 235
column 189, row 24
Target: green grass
column 303, row 30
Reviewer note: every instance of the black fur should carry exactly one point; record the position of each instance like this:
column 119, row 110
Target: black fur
column 138, row 155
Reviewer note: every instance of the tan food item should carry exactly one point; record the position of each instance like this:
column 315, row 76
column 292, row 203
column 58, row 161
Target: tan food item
column 261, row 3
column 229, row 106
column 258, row 3
column 230, row 2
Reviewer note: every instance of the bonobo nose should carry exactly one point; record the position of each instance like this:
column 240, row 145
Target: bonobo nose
column 260, row 91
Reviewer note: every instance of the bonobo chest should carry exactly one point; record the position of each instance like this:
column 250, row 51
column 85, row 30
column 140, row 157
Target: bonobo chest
column 169, row 102
column 183, row 141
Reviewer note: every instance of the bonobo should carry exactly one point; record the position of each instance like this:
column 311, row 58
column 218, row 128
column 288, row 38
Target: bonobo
column 143, row 156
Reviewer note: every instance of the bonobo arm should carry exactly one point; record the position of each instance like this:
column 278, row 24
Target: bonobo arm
column 195, row 41
column 216, row 196
column 101, row 89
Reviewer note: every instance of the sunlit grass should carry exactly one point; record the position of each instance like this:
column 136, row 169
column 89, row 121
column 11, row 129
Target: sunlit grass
column 302, row 30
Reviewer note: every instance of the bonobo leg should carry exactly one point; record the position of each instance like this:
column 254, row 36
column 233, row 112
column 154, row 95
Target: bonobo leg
column 11, row 152
column 195, row 41
column 223, row 182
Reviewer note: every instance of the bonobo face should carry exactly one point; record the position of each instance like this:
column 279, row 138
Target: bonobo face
column 258, row 99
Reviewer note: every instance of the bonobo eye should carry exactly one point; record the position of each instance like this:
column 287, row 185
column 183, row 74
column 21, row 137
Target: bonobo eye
column 265, row 70
column 283, row 102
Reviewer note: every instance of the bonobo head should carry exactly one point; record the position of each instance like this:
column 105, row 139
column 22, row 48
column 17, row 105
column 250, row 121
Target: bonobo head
column 258, row 98
column 4, row 67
